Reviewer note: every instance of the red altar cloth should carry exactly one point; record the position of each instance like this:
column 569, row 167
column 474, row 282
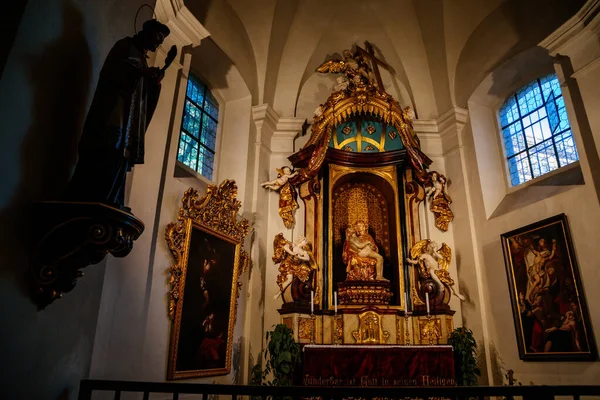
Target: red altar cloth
column 381, row 365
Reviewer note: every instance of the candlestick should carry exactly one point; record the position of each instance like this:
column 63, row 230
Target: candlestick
column 312, row 302
column 427, row 301
column 335, row 302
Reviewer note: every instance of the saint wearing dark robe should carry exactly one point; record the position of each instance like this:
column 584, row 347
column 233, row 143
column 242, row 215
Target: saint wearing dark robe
column 124, row 102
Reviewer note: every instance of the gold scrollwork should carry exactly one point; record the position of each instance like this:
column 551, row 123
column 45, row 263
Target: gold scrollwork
column 430, row 330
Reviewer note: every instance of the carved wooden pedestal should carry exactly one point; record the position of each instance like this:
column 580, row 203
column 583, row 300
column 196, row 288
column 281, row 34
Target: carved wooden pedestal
column 71, row 236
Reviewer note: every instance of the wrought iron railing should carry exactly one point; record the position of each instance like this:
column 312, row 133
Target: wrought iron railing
column 144, row 389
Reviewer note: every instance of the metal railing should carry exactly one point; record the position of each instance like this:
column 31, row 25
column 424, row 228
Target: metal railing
column 335, row 393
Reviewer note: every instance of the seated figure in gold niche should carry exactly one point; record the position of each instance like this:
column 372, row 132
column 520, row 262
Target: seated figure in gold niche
column 363, row 262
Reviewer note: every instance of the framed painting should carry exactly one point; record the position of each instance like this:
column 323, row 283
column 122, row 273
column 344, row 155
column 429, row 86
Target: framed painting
column 551, row 316
column 206, row 242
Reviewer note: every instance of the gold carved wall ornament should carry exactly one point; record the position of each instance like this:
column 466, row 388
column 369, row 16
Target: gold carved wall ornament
column 370, row 330
column 287, row 194
column 206, row 242
column 439, row 201
column 430, row 330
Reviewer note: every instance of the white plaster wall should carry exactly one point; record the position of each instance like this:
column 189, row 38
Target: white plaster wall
column 578, row 202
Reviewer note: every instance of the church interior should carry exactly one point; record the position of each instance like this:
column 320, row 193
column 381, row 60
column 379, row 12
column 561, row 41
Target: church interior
column 378, row 182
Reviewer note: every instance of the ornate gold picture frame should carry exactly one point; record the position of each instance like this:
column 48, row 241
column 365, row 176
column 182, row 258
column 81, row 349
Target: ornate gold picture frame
column 206, row 242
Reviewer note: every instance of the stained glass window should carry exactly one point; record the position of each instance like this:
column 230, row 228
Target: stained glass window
column 536, row 131
column 199, row 128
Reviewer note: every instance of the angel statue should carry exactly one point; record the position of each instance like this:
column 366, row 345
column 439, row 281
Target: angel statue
column 297, row 264
column 439, row 201
column 287, row 194
column 353, row 65
column 434, row 264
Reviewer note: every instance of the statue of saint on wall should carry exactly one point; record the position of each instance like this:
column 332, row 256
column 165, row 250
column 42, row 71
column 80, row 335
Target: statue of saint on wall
column 361, row 256
column 124, row 102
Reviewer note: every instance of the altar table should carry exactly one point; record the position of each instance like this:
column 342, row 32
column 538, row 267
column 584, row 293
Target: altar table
column 378, row 365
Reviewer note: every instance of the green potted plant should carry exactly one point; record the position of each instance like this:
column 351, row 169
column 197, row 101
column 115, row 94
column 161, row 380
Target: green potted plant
column 282, row 356
column 465, row 352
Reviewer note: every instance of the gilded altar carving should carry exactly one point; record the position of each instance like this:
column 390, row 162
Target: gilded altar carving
column 287, row 194
column 439, row 201
column 297, row 269
column 359, row 95
column 430, row 330
column 305, row 328
column 433, row 262
column 289, row 322
column 370, row 330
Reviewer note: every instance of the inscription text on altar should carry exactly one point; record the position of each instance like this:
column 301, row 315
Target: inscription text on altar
column 366, row 381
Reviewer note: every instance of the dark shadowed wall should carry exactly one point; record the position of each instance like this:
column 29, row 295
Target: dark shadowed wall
column 45, row 89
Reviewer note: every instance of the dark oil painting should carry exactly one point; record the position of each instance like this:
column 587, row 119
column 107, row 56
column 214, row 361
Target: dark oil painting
column 204, row 323
column 549, row 307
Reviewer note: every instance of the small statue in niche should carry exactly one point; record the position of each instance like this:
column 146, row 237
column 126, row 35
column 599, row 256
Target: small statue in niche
column 297, row 264
column 363, row 261
column 433, row 262
column 287, row 194
column 124, row 102
column 439, row 201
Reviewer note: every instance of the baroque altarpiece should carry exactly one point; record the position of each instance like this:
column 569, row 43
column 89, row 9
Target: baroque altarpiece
column 362, row 273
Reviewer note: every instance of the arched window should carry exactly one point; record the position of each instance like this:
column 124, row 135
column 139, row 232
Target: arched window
column 536, row 131
column 199, row 128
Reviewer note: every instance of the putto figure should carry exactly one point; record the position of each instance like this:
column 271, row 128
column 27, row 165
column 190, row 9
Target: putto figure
column 287, row 194
column 297, row 264
column 124, row 102
column 433, row 262
column 439, row 201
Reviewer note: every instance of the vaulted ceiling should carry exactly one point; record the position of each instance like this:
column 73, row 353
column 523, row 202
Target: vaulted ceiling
column 439, row 49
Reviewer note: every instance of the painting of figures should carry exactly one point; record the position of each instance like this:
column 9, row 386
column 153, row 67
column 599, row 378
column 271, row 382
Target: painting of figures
column 549, row 307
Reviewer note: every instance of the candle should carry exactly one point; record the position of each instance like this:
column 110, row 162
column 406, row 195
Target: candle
column 335, row 302
column 427, row 301
column 312, row 302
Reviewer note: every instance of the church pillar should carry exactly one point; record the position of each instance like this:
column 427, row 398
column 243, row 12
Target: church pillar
column 121, row 343
column 442, row 141
column 273, row 144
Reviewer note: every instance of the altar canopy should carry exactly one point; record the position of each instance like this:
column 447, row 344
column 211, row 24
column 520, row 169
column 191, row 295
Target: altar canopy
column 326, row 365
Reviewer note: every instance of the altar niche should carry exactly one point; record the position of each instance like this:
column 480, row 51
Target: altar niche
column 364, row 198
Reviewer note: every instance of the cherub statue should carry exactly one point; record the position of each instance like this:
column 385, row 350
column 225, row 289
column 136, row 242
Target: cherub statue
column 434, row 264
column 296, row 265
column 341, row 83
column 439, row 201
column 287, row 194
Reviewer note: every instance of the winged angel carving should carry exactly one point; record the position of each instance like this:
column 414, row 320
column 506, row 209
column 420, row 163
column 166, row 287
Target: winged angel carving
column 434, row 264
column 353, row 65
column 296, row 269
